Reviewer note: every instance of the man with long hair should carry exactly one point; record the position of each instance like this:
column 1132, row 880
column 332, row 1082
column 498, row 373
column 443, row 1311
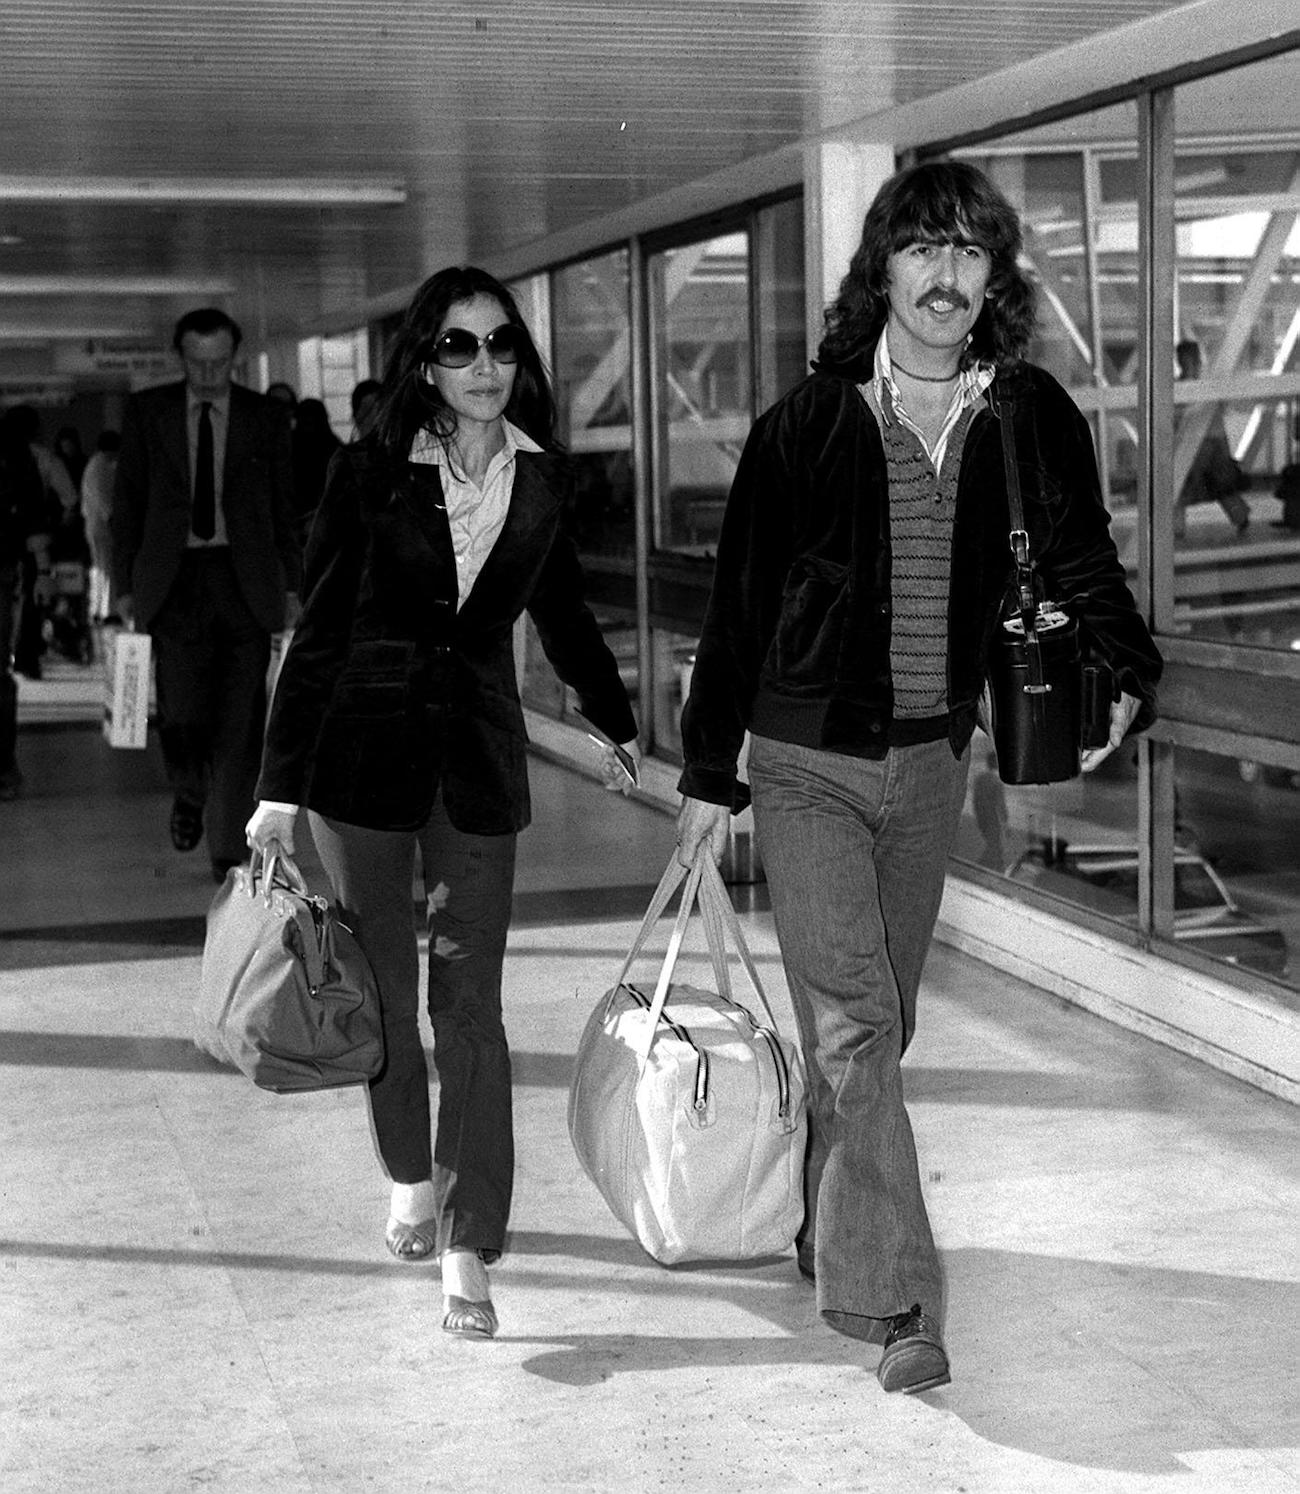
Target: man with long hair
column 861, row 573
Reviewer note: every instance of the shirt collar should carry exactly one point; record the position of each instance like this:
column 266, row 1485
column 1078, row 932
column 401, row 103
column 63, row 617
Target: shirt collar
column 427, row 449
column 971, row 383
column 192, row 400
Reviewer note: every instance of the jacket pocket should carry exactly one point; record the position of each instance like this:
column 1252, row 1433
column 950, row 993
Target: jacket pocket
column 813, row 605
column 376, row 680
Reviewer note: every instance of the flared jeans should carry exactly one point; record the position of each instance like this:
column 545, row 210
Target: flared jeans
column 468, row 881
column 855, row 852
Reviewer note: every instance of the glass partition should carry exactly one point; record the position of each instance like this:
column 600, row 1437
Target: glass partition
column 1237, row 395
column 583, row 314
column 1225, row 546
column 592, row 351
column 703, row 384
column 1075, row 186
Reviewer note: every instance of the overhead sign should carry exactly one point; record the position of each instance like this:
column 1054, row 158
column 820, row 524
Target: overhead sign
column 137, row 359
column 44, row 392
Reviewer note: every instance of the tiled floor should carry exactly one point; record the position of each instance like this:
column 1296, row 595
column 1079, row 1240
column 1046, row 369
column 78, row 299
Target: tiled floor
column 194, row 1291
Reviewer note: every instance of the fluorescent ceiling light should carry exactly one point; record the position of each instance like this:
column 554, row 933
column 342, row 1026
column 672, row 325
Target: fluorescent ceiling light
column 313, row 191
column 115, row 285
column 28, row 332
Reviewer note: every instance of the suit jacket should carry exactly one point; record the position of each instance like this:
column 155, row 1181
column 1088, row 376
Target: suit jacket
column 151, row 502
column 389, row 693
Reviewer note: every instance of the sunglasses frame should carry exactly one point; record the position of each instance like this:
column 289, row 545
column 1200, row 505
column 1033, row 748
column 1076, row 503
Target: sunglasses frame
column 515, row 336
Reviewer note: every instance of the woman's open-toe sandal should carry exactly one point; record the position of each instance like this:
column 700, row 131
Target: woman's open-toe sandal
column 411, row 1242
column 468, row 1319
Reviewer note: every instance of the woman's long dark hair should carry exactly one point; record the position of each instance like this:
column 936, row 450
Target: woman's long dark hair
column 409, row 403
column 936, row 202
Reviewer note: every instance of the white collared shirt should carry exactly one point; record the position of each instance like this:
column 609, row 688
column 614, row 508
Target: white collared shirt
column 971, row 384
column 476, row 514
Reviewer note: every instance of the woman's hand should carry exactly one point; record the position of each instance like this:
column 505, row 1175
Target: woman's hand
column 613, row 774
column 271, row 827
column 1122, row 712
column 700, row 823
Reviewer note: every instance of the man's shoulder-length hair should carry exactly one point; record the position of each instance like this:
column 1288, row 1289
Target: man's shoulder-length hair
column 935, row 202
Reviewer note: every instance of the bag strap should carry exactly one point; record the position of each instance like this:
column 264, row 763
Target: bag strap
column 703, row 886
column 722, row 925
column 1026, row 600
column 314, row 942
column 673, row 874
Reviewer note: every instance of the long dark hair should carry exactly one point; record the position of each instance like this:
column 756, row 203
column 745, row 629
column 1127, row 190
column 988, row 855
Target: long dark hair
column 409, row 403
column 935, row 202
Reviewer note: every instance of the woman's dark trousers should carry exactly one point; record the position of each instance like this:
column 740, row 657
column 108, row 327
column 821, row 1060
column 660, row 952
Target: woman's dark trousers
column 468, row 881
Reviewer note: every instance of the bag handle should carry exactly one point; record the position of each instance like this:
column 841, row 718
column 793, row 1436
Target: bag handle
column 277, row 867
column 703, row 885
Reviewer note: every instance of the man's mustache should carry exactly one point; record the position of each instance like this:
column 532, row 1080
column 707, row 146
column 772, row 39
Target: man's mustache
column 937, row 293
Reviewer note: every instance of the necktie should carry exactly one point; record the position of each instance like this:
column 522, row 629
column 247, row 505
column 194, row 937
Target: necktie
column 204, row 521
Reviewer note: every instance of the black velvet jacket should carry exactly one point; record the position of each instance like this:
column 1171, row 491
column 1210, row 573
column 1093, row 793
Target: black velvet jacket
column 796, row 636
column 388, row 692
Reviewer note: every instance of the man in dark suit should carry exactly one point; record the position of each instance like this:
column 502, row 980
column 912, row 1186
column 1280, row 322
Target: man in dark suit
column 205, row 560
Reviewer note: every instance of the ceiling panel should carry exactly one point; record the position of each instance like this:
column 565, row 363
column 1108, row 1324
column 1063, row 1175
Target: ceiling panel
column 506, row 120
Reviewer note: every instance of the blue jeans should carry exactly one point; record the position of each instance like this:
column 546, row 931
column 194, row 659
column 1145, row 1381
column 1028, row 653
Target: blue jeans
column 855, row 852
column 468, row 882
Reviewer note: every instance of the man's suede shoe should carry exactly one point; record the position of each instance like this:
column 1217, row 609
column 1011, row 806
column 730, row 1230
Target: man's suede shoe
column 186, row 825
column 913, row 1358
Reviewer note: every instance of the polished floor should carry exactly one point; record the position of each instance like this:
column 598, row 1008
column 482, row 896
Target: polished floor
column 194, row 1292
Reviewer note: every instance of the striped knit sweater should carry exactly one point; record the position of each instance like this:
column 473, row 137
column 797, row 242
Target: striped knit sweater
column 921, row 508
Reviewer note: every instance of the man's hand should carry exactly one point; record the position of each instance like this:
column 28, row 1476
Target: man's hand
column 700, row 823
column 43, row 588
column 1122, row 712
column 125, row 606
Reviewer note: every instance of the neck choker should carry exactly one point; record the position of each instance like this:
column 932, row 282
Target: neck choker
column 923, row 378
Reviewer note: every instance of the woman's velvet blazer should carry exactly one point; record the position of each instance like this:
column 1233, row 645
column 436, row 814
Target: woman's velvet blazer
column 389, row 693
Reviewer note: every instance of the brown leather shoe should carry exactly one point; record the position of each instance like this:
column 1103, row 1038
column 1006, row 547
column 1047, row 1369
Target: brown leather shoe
column 913, row 1358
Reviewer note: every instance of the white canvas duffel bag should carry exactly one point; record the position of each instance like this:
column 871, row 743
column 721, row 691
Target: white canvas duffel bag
column 687, row 1114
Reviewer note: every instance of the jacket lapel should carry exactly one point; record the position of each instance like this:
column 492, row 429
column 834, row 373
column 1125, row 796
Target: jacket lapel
column 535, row 500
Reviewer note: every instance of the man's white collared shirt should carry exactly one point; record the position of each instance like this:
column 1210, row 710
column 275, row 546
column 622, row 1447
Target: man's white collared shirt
column 971, row 384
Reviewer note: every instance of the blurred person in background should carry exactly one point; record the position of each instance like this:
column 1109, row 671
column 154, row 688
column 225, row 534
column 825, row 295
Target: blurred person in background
column 60, row 503
column 24, row 543
column 365, row 401
column 97, row 511
column 206, row 561
column 314, row 443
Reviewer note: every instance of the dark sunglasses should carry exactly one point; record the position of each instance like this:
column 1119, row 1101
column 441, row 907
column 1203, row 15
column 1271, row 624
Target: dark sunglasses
column 457, row 348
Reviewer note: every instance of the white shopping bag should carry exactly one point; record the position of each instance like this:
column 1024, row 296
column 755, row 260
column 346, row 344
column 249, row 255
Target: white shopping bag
column 126, row 690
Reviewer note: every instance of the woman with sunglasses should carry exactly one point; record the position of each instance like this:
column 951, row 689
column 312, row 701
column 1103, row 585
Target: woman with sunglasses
column 397, row 724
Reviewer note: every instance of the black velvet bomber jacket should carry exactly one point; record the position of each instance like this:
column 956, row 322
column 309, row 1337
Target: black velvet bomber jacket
column 795, row 643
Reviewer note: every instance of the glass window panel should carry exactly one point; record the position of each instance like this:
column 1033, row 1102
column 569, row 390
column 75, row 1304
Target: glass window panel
column 1236, row 876
column 1076, row 840
column 703, row 394
column 580, row 313
column 1074, row 183
column 1237, row 320
column 593, row 388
